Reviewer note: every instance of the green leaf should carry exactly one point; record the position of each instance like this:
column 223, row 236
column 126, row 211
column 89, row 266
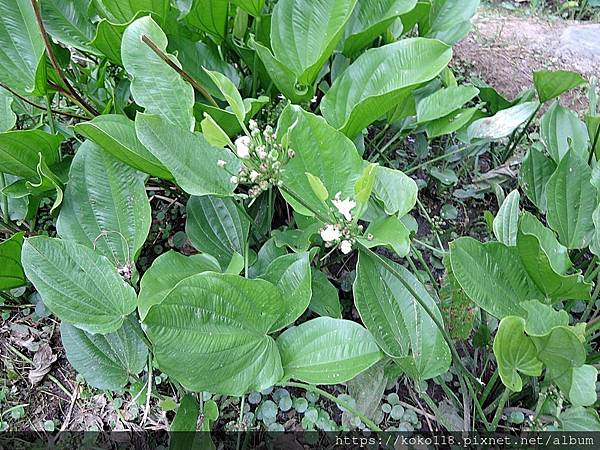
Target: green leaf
column 400, row 325
column 443, row 102
column 105, row 361
column 560, row 350
column 515, row 353
column 304, row 34
column 389, row 232
column 107, row 39
column 571, row 202
column 535, row 172
column 318, row 187
column 363, row 190
column 166, row 272
column 78, row 285
column 218, row 324
column 551, row 84
column 561, row 129
column 321, row 151
column 231, row 94
column 541, row 319
column 214, row 134
column 115, row 133
column 20, row 150
column 8, row 118
column 449, row 21
column 21, row 59
column 325, row 300
column 151, row 77
column 580, row 419
column 370, row 19
column 11, row 271
column 252, row 7
column 578, row 384
column 68, row 22
column 186, row 420
column 397, row 191
column 538, row 265
column 105, row 207
column 215, row 226
column 506, row 222
column 493, row 276
column 451, row 123
column 188, row 156
column 361, row 95
column 123, row 11
column 557, row 253
column 502, row 123
column 268, row 253
column 327, row 351
column 291, row 274
column 209, row 16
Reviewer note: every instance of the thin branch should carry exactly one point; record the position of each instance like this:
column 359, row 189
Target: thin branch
column 43, row 108
column 186, row 76
column 80, row 100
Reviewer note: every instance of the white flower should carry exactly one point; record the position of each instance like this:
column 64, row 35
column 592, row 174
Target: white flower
column 346, row 247
column 254, row 175
column 234, row 179
column 331, row 233
column 242, row 147
column 221, row 163
column 344, row 206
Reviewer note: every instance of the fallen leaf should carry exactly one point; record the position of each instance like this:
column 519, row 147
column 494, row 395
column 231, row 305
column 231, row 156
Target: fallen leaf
column 42, row 361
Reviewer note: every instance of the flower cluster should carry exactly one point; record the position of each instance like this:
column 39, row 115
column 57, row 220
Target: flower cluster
column 262, row 159
column 341, row 233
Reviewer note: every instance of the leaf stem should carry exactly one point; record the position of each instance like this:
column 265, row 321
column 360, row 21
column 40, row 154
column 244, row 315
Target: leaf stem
column 5, row 211
column 499, row 409
column 186, row 76
column 49, row 114
column 309, row 387
column 511, row 148
column 54, row 62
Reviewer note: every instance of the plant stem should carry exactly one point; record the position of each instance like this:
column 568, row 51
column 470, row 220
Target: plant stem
column 309, row 387
column 49, row 114
column 489, row 387
column 429, row 247
column 270, row 208
column 510, row 150
column 436, row 412
column 186, row 76
column 436, row 159
column 5, row 211
column 499, row 409
column 431, row 225
column 54, row 62
column 40, row 107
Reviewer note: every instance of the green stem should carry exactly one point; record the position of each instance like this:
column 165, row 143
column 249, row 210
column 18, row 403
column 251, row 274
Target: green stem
column 271, row 208
column 436, row 412
column 592, row 302
column 381, row 151
column 489, row 387
column 309, row 387
column 429, row 247
column 431, row 225
column 510, row 150
column 436, row 159
column 49, row 114
column 499, row 409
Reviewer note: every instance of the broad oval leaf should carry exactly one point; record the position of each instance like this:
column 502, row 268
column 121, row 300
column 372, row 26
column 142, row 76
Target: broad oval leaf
column 370, row 19
column 304, row 33
column 515, row 353
column 21, row 59
column 362, row 93
column 560, row 350
column 327, row 351
column 291, row 274
column 550, row 84
column 105, row 361
column 122, row 11
column 115, row 133
column 11, row 270
column 389, row 232
column 151, row 77
column 188, row 156
column 400, row 325
column 68, row 22
column 218, row 324
column 451, row 123
column 209, row 16
column 166, row 272
column 571, row 202
column 506, row 222
column 8, row 118
column 535, row 172
column 561, row 130
column 578, row 384
column 557, row 253
column 397, row 191
column 77, row 284
column 443, row 102
column 493, row 276
column 252, row 7
column 105, row 206
column 20, row 152
column 449, row 20
column 325, row 300
column 321, row 151
column 502, row 123
column 215, row 226
column 580, row 419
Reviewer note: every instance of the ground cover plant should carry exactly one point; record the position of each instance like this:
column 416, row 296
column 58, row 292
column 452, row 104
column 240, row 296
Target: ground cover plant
column 273, row 215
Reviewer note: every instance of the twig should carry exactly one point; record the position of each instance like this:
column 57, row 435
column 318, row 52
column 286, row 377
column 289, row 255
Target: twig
column 79, row 99
column 186, row 76
column 149, row 391
column 74, row 398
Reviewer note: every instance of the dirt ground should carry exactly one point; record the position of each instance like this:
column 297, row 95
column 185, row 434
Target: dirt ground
column 505, row 48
